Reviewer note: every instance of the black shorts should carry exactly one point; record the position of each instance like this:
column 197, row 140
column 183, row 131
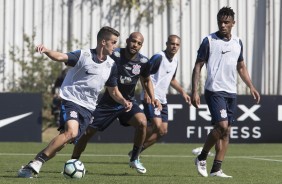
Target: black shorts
column 153, row 112
column 72, row 111
column 221, row 107
column 104, row 115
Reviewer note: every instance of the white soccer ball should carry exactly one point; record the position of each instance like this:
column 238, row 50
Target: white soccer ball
column 74, row 169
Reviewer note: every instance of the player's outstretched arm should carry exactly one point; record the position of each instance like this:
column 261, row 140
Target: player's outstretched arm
column 54, row 55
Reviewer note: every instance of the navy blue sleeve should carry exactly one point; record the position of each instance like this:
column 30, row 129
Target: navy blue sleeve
column 155, row 63
column 112, row 81
column 241, row 58
column 73, row 58
column 175, row 72
column 204, row 50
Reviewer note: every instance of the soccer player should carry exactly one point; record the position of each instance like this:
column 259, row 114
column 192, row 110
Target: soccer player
column 163, row 67
column 131, row 66
column 222, row 52
column 91, row 70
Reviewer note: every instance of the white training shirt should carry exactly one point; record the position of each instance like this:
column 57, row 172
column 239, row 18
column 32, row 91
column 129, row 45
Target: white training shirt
column 85, row 80
column 222, row 64
column 162, row 77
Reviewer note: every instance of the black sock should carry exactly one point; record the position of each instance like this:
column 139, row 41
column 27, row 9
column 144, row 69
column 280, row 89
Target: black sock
column 73, row 157
column 142, row 149
column 135, row 153
column 203, row 155
column 216, row 166
column 42, row 158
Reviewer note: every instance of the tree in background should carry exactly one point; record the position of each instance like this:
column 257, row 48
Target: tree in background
column 38, row 74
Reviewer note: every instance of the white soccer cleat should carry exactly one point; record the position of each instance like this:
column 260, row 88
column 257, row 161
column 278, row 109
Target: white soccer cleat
column 220, row 173
column 25, row 172
column 201, row 167
column 136, row 164
column 35, row 166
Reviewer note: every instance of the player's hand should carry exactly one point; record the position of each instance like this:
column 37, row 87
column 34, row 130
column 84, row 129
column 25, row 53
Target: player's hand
column 196, row 100
column 187, row 98
column 156, row 103
column 41, row 49
column 255, row 94
column 127, row 105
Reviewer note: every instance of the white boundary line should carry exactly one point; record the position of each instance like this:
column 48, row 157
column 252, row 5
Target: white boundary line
column 262, row 158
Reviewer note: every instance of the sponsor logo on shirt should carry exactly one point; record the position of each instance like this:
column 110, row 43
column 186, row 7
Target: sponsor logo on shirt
column 143, row 60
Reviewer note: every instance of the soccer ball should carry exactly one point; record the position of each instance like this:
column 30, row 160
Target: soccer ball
column 74, row 169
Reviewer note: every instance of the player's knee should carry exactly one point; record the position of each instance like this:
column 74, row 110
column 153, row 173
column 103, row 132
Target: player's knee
column 142, row 123
column 162, row 131
column 70, row 135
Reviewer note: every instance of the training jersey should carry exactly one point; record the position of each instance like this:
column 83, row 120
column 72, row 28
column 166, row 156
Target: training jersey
column 163, row 70
column 87, row 77
column 129, row 72
column 221, row 61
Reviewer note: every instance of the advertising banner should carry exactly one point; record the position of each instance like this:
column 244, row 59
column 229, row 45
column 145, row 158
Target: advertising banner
column 256, row 123
column 20, row 117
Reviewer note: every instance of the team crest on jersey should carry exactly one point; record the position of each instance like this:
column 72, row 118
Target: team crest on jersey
column 73, row 114
column 86, row 54
column 223, row 113
column 117, row 54
column 136, row 69
column 143, row 60
column 157, row 112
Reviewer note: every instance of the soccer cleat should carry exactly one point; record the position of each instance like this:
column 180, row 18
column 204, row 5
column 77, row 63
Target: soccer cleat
column 35, row 166
column 220, row 173
column 201, row 167
column 25, row 172
column 138, row 166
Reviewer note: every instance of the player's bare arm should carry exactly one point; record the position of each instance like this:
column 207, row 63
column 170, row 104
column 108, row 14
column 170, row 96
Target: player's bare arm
column 195, row 82
column 244, row 74
column 175, row 84
column 149, row 89
column 117, row 96
column 54, row 55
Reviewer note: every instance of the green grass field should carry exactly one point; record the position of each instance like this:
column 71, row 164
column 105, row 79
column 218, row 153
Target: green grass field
column 165, row 164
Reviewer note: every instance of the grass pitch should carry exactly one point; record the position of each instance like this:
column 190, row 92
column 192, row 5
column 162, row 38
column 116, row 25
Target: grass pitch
column 165, row 164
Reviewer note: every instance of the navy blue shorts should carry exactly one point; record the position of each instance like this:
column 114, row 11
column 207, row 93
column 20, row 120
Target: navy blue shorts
column 72, row 111
column 153, row 112
column 105, row 115
column 221, row 107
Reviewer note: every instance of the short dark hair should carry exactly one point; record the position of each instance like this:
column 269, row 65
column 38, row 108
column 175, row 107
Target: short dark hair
column 173, row 36
column 225, row 11
column 106, row 32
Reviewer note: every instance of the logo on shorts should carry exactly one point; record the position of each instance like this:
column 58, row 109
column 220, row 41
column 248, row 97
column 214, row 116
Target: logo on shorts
column 136, row 69
column 157, row 112
column 73, row 114
column 223, row 113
